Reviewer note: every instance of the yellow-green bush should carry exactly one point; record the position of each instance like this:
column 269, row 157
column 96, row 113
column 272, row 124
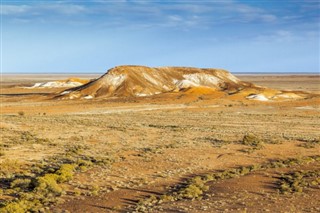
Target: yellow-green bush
column 21, row 206
column 297, row 181
column 252, row 140
column 48, row 185
column 195, row 188
column 21, row 183
column 65, row 173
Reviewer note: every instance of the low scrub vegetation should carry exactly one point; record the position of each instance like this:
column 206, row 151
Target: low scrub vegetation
column 252, row 140
column 296, row 182
column 309, row 143
column 196, row 187
column 42, row 184
column 34, row 192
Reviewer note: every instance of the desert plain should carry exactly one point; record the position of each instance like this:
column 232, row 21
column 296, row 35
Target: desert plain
column 192, row 151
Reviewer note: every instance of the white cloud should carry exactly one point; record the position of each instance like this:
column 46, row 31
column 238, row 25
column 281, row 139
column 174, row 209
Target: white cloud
column 175, row 18
column 41, row 9
column 14, row 9
column 68, row 9
column 268, row 18
column 282, row 36
column 246, row 13
column 123, row 13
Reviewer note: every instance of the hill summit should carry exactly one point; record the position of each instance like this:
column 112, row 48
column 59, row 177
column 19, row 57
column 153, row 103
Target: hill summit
column 124, row 81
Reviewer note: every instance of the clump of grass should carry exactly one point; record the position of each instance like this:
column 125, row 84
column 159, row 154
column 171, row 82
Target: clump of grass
column 84, row 164
column 21, row 184
column 65, row 173
column 9, row 167
column 21, row 113
column 296, row 182
column 309, row 143
column 48, row 186
column 253, row 141
column 75, row 149
column 28, row 137
column 216, row 142
column 94, row 189
column 22, row 137
column 194, row 189
column 21, row 206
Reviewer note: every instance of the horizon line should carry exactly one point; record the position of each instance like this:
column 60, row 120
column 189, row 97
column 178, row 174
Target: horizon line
column 94, row 73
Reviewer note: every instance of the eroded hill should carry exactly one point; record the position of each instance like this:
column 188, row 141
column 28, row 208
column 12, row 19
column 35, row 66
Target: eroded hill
column 141, row 81
column 146, row 81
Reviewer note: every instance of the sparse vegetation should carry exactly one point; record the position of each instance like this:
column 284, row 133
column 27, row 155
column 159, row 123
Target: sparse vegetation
column 252, row 140
column 215, row 141
column 195, row 187
column 309, row 143
column 44, row 185
column 296, row 182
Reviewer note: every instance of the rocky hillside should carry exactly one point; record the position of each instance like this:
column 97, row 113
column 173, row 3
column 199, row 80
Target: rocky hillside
column 123, row 81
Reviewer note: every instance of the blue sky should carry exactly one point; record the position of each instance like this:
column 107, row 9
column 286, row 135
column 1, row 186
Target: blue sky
column 93, row 36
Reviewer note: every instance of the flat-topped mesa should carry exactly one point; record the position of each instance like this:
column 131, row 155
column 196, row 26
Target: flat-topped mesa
column 146, row 81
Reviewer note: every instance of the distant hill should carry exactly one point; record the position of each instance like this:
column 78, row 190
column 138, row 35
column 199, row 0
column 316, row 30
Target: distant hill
column 146, row 81
column 70, row 82
column 141, row 81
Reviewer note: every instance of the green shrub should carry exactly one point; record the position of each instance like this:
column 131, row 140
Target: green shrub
column 22, row 183
column 42, row 187
column 65, row 173
column 166, row 198
column 21, row 206
column 297, row 181
column 48, row 185
column 15, row 207
column 244, row 170
column 250, row 139
column 192, row 191
column 195, row 188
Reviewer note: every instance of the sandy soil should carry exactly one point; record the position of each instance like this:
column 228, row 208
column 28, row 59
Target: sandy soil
column 153, row 143
column 285, row 82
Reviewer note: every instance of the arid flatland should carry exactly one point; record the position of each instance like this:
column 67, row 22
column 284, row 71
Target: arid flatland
column 192, row 151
